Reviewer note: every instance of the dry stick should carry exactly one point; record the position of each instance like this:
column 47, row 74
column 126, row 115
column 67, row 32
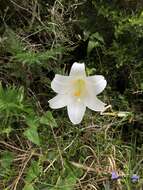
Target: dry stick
column 11, row 185
column 21, row 144
column 12, row 147
column 92, row 186
column 28, row 12
column 38, row 103
column 34, row 13
column 60, row 154
column 94, row 154
column 81, row 166
column 96, row 180
column 70, row 143
column 21, row 172
column 87, row 170
column 51, row 164
column 20, row 6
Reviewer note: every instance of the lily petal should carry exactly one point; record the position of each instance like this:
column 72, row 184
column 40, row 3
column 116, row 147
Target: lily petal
column 76, row 110
column 93, row 103
column 58, row 101
column 96, row 83
column 78, row 69
column 60, row 84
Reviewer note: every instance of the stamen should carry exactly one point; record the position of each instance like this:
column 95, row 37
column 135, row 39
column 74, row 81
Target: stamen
column 77, row 93
column 79, row 87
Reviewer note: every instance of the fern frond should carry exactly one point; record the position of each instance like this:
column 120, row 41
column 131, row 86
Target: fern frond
column 11, row 100
column 13, row 44
column 19, row 52
column 30, row 57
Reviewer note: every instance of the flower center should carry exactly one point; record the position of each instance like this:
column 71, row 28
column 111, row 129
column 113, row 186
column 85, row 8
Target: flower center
column 79, row 87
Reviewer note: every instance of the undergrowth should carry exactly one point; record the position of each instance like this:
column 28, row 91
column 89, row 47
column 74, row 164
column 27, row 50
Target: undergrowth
column 39, row 148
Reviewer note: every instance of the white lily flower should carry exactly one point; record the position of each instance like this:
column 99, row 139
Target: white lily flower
column 77, row 91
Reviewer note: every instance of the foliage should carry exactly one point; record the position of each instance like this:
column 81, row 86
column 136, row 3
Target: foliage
column 40, row 149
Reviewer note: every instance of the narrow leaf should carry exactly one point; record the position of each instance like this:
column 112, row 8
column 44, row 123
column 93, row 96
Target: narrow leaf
column 28, row 187
column 48, row 119
column 32, row 135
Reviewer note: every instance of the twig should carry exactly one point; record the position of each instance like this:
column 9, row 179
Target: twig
column 21, row 172
column 84, row 167
column 12, row 147
column 60, row 154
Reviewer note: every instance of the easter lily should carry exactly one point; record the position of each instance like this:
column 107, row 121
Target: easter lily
column 77, row 91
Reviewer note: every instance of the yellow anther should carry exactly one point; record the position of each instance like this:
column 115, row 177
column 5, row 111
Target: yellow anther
column 79, row 87
column 77, row 93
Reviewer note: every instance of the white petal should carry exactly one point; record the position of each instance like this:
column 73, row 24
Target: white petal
column 96, row 83
column 78, row 69
column 76, row 110
column 93, row 103
column 58, row 101
column 60, row 84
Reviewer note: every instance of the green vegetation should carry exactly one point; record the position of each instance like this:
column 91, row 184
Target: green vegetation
column 40, row 149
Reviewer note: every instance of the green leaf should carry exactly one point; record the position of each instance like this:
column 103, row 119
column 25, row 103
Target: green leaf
column 30, row 57
column 32, row 121
column 11, row 99
column 32, row 135
column 91, row 45
column 32, row 132
column 141, row 86
column 67, row 181
column 34, row 170
column 95, row 40
column 48, row 119
column 96, row 36
column 13, row 43
column 6, row 159
column 28, row 187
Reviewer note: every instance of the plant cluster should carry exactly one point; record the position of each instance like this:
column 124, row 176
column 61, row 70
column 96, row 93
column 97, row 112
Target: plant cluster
column 40, row 149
